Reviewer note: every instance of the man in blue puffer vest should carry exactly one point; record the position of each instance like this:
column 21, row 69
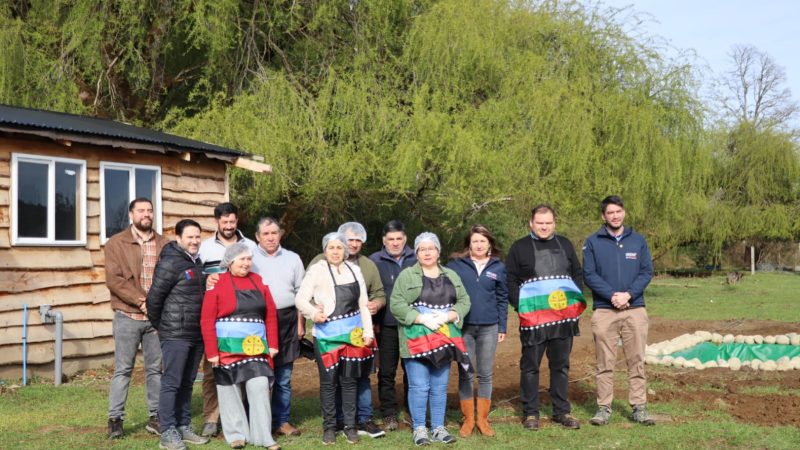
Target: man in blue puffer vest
column 617, row 267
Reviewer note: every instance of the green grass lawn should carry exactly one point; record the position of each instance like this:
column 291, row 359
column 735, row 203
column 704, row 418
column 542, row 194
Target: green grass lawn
column 73, row 416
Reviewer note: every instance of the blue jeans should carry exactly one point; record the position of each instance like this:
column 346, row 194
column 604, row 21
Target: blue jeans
column 282, row 395
column 181, row 361
column 481, row 343
column 426, row 384
column 363, row 401
column 128, row 333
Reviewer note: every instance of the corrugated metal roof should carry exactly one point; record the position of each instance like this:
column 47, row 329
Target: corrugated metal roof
column 35, row 119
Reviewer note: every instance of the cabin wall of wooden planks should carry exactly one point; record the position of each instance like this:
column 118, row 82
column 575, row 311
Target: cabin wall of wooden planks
column 72, row 279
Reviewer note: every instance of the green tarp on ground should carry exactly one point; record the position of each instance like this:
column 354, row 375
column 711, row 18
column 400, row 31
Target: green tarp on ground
column 745, row 352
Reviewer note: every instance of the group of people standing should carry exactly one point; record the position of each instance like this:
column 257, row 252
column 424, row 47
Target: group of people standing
column 238, row 308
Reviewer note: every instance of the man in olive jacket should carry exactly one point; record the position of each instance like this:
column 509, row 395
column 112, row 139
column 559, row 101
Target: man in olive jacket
column 130, row 258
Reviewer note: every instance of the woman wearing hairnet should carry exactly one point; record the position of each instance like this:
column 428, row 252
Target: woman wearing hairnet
column 240, row 333
column 343, row 336
column 429, row 302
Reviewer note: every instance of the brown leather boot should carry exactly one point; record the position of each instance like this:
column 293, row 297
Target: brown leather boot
column 468, row 409
column 483, row 417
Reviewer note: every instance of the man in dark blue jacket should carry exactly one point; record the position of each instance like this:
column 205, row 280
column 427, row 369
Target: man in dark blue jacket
column 544, row 255
column 391, row 259
column 617, row 267
column 173, row 307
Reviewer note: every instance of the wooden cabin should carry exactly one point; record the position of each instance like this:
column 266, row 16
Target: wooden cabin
column 65, row 185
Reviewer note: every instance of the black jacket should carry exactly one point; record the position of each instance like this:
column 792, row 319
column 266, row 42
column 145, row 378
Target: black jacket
column 390, row 268
column 520, row 263
column 176, row 296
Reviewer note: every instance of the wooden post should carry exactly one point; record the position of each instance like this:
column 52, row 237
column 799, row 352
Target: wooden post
column 752, row 260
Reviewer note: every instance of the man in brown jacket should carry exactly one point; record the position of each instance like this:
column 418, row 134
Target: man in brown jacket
column 131, row 256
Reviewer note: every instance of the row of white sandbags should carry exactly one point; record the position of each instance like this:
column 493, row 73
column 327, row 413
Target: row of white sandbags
column 784, row 363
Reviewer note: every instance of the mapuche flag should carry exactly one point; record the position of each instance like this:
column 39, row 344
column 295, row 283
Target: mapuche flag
column 549, row 301
column 239, row 337
column 341, row 340
column 440, row 346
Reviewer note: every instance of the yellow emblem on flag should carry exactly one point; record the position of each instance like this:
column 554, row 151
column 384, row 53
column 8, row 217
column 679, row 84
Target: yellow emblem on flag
column 357, row 337
column 557, row 300
column 444, row 329
column 252, row 345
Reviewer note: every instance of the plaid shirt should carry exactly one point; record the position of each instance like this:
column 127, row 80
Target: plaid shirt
column 149, row 259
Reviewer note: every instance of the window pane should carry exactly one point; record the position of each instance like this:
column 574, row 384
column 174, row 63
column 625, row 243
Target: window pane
column 146, row 184
column 32, row 184
column 68, row 191
column 116, row 199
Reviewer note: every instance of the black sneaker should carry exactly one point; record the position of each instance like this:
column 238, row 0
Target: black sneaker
column 114, row 428
column 369, row 428
column 153, row 426
column 329, row 437
column 351, row 434
column 339, row 427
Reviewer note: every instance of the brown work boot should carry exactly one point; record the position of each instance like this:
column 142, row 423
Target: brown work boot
column 286, row 429
column 567, row 421
column 531, row 423
column 484, row 404
column 468, row 409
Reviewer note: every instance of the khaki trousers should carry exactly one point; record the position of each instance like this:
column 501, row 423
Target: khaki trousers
column 210, row 403
column 608, row 326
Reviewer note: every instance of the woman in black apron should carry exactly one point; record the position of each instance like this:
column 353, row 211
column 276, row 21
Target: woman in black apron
column 343, row 336
column 240, row 332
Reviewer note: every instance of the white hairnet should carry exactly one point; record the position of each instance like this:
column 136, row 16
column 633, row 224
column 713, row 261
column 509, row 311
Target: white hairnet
column 427, row 236
column 355, row 229
column 336, row 236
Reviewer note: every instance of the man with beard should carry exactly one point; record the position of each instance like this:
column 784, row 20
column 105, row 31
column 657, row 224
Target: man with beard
column 211, row 252
column 281, row 270
column 130, row 258
column 391, row 259
column 618, row 268
column 544, row 286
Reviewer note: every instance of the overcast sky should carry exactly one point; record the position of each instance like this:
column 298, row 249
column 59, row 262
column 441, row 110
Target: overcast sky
column 712, row 27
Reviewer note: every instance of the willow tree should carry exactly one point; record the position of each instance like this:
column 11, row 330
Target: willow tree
column 414, row 112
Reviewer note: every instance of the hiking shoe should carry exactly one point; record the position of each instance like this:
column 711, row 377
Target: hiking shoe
column 602, row 416
column 287, row 429
column 153, row 426
column 390, row 423
column 339, row 427
column 171, row 440
column 531, row 423
column 369, row 428
column 114, row 428
column 188, row 435
column 440, row 434
column 567, row 421
column 329, row 437
column 420, row 436
column 351, row 434
column 239, row 443
column 641, row 416
column 210, row 429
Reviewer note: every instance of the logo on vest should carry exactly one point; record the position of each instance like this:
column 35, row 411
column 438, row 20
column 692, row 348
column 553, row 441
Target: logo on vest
column 557, row 300
column 252, row 345
column 357, row 337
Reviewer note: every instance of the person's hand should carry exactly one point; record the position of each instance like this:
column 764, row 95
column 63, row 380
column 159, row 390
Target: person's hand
column 273, row 352
column 452, row 316
column 374, row 306
column 143, row 306
column 430, row 320
column 501, row 337
column 621, row 300
column 214, row 361
column 301, row 330
column 319, row 317
column 211, row 281
column 441, row 316
column 368, row 342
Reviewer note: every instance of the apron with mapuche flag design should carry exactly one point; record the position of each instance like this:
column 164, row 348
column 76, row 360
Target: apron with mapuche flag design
column 551, row 303
column 340, row 339
column 445, row 344
column 242, row 339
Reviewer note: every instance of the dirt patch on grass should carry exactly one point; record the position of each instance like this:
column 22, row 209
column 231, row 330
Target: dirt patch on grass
column 717, row 388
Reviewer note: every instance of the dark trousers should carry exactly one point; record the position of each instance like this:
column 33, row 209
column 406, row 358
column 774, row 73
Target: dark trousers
column 388, row 358
column 557, row 351
column 328, row 383
column 180, row 361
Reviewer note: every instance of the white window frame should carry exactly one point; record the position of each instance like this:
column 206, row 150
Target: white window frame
column 131, row 168
column 50, row 161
